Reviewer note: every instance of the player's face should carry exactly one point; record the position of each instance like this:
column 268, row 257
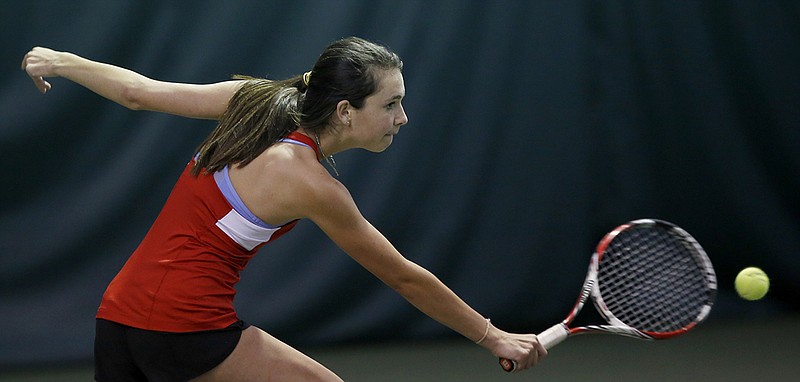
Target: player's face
column 382, row 114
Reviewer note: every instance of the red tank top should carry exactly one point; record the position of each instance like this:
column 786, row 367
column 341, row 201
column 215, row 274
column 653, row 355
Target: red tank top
column 182, row 276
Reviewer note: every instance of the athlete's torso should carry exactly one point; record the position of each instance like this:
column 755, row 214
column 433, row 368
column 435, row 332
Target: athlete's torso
column 182, row 276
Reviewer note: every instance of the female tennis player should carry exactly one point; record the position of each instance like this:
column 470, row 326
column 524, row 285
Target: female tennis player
column 168, row 314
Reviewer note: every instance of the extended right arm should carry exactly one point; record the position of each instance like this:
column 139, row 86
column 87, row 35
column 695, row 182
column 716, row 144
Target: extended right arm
column 128, row 88
column 328, row 204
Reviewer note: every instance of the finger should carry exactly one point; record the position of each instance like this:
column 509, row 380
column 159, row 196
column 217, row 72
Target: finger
column 41, row 84
column 25, row 61
column 541, row 349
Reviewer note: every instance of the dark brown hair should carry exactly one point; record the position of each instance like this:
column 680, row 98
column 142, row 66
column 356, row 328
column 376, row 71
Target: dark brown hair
column 263, row 111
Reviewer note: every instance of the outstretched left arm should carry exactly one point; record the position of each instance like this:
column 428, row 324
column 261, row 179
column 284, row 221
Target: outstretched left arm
column 128, row 88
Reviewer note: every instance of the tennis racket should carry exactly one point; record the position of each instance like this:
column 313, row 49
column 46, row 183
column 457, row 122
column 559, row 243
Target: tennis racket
column 648, row 279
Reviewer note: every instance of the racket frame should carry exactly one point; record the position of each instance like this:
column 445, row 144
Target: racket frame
column 559, row 332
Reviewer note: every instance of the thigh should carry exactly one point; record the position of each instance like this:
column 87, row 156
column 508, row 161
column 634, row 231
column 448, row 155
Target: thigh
column 261, row 357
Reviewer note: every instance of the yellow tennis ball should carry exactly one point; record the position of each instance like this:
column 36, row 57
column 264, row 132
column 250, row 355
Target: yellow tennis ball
column 752, row 283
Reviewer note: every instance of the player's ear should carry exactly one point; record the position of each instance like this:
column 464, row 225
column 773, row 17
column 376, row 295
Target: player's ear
column 342, row 114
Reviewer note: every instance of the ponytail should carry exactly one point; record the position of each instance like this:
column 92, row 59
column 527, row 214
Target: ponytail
column 260, row 113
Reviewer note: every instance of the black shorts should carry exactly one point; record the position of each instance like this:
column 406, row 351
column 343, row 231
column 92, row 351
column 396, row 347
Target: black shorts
column 123, row 353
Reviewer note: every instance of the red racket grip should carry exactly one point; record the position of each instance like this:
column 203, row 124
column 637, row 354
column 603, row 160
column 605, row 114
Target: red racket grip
column 548, row 338
column 508, row 365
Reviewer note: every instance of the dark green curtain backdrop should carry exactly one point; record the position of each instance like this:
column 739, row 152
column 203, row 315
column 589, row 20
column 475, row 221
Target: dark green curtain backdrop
column 535, row 127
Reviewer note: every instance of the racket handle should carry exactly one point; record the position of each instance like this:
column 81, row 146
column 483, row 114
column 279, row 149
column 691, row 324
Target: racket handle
column 548, row 338
column 553, row 336
column 508, row 365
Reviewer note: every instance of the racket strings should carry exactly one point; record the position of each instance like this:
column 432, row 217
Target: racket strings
column 649, row 278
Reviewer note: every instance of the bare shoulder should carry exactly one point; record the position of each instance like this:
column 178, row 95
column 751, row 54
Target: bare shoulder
column 324, row 197
column 287, row 182
column 321, row 198
column 293, row 184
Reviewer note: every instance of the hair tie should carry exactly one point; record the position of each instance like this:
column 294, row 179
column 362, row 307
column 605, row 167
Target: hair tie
column 306, row 78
